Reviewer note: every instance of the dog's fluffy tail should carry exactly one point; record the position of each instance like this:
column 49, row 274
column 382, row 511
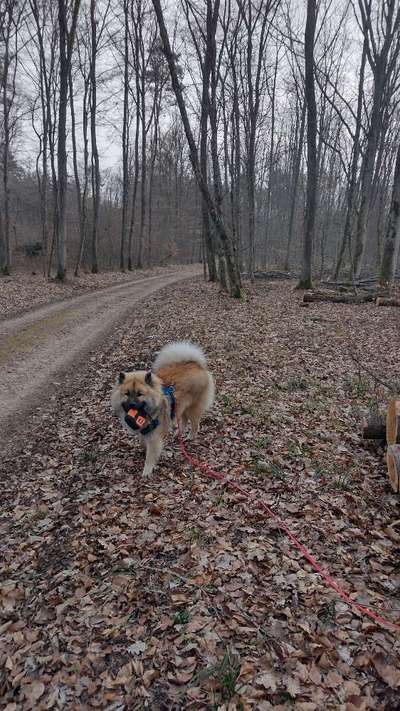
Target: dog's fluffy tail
column 179, row 352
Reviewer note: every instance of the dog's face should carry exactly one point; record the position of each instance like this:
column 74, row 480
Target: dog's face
column 138, row 387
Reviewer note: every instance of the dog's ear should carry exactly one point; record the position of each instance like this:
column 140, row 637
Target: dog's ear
column 121, row 378
column 148, row 378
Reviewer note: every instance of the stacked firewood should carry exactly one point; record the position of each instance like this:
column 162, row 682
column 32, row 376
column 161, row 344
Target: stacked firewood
column 387, row 430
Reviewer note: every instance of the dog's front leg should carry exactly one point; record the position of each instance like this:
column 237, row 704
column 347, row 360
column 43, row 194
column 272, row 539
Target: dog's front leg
column 154, row 445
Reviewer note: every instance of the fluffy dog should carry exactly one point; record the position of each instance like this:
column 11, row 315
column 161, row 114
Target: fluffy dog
column 181, row 365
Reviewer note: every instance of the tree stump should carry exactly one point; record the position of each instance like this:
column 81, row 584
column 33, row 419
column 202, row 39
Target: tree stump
column 393, row 422
column 393, row 465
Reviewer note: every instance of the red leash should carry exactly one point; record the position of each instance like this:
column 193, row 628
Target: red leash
column 302, row 549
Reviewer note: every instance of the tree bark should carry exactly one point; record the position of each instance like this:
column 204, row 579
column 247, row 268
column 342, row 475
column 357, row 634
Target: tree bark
column 392, row 241
column 61, row 146
column 352, row 188
column 311, row 197
column 125, row 142
column 66, row 40
column 383, row 61
column 93, row 137
column 295, row 183
column 233, row 274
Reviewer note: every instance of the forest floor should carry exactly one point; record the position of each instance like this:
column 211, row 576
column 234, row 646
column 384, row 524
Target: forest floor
column 169, row 593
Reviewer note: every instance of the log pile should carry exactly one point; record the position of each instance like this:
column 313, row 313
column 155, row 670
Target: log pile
column 336, row 297
column 374, row 428
column 346, row 295
column 393, row 465
column 383, row 301
column 274, row 274
column 379, row 429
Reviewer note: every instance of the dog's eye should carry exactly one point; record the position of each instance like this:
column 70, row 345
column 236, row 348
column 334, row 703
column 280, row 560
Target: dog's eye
column 139, row 393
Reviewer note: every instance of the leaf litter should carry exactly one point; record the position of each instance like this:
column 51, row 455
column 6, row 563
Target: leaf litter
column 173, row 593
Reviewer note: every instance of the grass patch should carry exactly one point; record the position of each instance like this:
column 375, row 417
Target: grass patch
column 225, row 673
column 342, row 482
column 296, row 384
column 263, row 442
column 88, row 455
column 227, row 403
column 182, row 617
column 261, row 467
column 277, row 471
column 198, row 535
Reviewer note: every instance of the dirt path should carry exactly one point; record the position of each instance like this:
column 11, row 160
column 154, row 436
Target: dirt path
column 38, row 347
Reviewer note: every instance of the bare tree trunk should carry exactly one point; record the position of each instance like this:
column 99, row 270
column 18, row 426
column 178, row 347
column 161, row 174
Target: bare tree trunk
column 66, row 44
column 81, row 194
column 6, row 32
column 311, row 197
column 351, row 192
column 135, row 184
column 204, row 116
column 392, row 242
column 383, row 62
column 10, row 16
column 367, row 179
column 125, row 142
column 233, row 274
column 45, row 101
column 61, row 146
column 271, row 161
column 295, row 183
column 93, row 137
column 212, row 18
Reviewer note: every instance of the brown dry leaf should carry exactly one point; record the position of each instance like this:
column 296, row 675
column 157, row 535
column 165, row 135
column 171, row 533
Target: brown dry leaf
column 34, row 691
column 387, row 671
column 268, row 680
column 292, row 686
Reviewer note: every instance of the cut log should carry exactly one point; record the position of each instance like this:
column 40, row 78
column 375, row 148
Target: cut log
column 393, row 422
column 359, row 284
column 274, row 274
column 393, row 465
column 335, row 298
column 382, row 301
column 374, row 428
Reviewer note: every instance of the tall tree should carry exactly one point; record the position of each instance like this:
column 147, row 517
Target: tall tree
column 311, row 193
column 382, row 48
column 392, row 241
column 257, row 19
column 10, row 18
column 226, row 240
column 66, row 41
column 125, row 138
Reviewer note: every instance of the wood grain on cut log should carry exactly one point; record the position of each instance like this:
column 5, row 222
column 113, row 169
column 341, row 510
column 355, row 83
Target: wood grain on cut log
column 374, row 428
column 337, row 298
column 393, row 422
column 382, row 301
column 393, row 465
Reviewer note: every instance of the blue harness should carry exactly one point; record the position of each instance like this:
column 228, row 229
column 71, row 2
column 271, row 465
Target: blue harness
column 168, row 391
